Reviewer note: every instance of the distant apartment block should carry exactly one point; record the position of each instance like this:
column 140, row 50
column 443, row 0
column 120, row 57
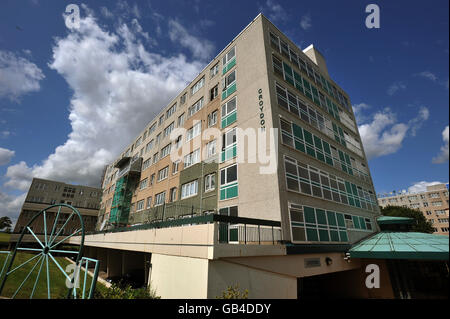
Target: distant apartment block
column 433, row 203
column 44, row 193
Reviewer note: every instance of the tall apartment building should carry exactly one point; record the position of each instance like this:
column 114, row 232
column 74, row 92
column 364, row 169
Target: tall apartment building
column 433, row 203
column 44, row 193
column 317, row 201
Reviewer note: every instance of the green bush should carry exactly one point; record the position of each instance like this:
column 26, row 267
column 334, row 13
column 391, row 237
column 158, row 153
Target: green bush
column 234, row 293
column 119, row 291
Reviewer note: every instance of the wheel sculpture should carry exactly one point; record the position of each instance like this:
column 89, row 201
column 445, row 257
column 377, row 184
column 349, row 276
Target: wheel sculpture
column 45, row 245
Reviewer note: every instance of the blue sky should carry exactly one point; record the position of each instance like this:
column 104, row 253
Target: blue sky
column 52, row 80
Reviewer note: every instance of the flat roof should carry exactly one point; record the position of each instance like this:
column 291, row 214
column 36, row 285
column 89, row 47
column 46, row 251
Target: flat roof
column 403, row 245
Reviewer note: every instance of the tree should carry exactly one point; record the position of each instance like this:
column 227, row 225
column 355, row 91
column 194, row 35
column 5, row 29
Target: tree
column 5, row 222
column 421, row 225
column 234, row 293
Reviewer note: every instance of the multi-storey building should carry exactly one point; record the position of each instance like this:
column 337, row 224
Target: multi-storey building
column 222, row 214
column 433, row 203
column 44, row 193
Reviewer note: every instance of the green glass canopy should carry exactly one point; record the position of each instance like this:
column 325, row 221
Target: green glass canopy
column 386, row 220
column 403, row 245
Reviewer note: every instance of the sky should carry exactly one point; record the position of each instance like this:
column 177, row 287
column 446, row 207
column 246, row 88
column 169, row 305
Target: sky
column 72, row 99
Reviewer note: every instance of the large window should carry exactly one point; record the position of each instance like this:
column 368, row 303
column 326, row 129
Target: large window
column 181, row 120
column 196, row 107
column 228, row 175
column 170, row 111
column 211, row 149
column 192, row 158
column 189, row 189
column 149, row 146
column 214, row 70
column 197, row 86
column 210, row 182
column 194, row 131
column 214, row 92
column 160, row 199
column 140, row 205
column 143, row 184
column 169, row 129
column 166, row 150
column 229, row 56
column 229, row 80
column 212, row 118
column 173, row 194
column 228, row 139
column 229, row 113
column 162, row 174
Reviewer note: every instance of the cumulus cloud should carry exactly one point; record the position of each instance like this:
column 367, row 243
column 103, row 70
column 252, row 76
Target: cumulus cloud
column 421, row 186
column 358, row 110
column 5, row 155
column 395, row 87
column 18, row 76
column 443, row 155
column 118, row 87
column 200, row 48
column 305, row 22
column 384, row 135
column 274, row 11
column 10, row 205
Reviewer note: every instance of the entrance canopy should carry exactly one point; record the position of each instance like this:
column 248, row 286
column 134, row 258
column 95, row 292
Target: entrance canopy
column 402, row 245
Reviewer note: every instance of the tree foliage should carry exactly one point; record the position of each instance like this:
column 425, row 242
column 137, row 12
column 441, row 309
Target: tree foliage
column 5, row 222
column 119, row 291
column 422, row 225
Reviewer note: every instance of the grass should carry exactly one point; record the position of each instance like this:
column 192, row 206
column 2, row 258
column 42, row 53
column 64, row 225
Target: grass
column 4, row 237
column 58, row 287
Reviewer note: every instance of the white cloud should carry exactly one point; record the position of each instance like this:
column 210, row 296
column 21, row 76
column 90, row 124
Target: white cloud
column 443, row 155
column 118, row 87
column 106, row 13
column 274, row 11
column 358, row 111
column 200, row 48
column 305, row 22
column 10, row 206
column 428, row 75
column 384, row 135
column 18, row 76
column 5, row 155
column 421, row 186
column 396, row 86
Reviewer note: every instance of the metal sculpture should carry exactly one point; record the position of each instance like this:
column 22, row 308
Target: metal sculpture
column 48, row 244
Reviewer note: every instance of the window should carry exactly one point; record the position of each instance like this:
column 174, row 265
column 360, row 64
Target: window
column 140, row 205
column 228, row 139
column 160, row 199
column 152, row 129
column 173, row 194
column 170, row 111
column 158, row 138
column 178, row 142
column 166, row 150
column 197, row 86
column 214, row 70
column 229, row 107
column 436, row 204
column 213, row 92
column 175, row 167
column 210, row 182
column 149, row 146
column 181, row 120
column 162, row 174
column 138, row 142
column 212, row 118
column 196, row 107
column 228, row 175
column 168, row 129
column 211, row 149
column 183, row 99
column 228, row 81
column 192, row 158
column 152, row 179
column 155, row 158
column 194, row 131
column 189, row 189
column 161, row 120
column 444, row 229
column 149, row 202
column 143, row 184
column 229, row 56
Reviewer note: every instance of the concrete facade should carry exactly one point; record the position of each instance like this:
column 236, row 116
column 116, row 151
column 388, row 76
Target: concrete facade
column 331, row 208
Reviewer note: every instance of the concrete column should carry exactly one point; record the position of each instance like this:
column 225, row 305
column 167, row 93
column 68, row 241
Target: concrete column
column 102, row 256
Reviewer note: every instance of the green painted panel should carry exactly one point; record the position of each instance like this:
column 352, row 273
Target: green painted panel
column 331, row 218
column 343, row 236
column 300, row 146
column 334, row 235
column 311, row 234
column 321, row 217
column 298, row 132
column 356, row 222
column 323, row 235
column 340, row 220
column 310, row 217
